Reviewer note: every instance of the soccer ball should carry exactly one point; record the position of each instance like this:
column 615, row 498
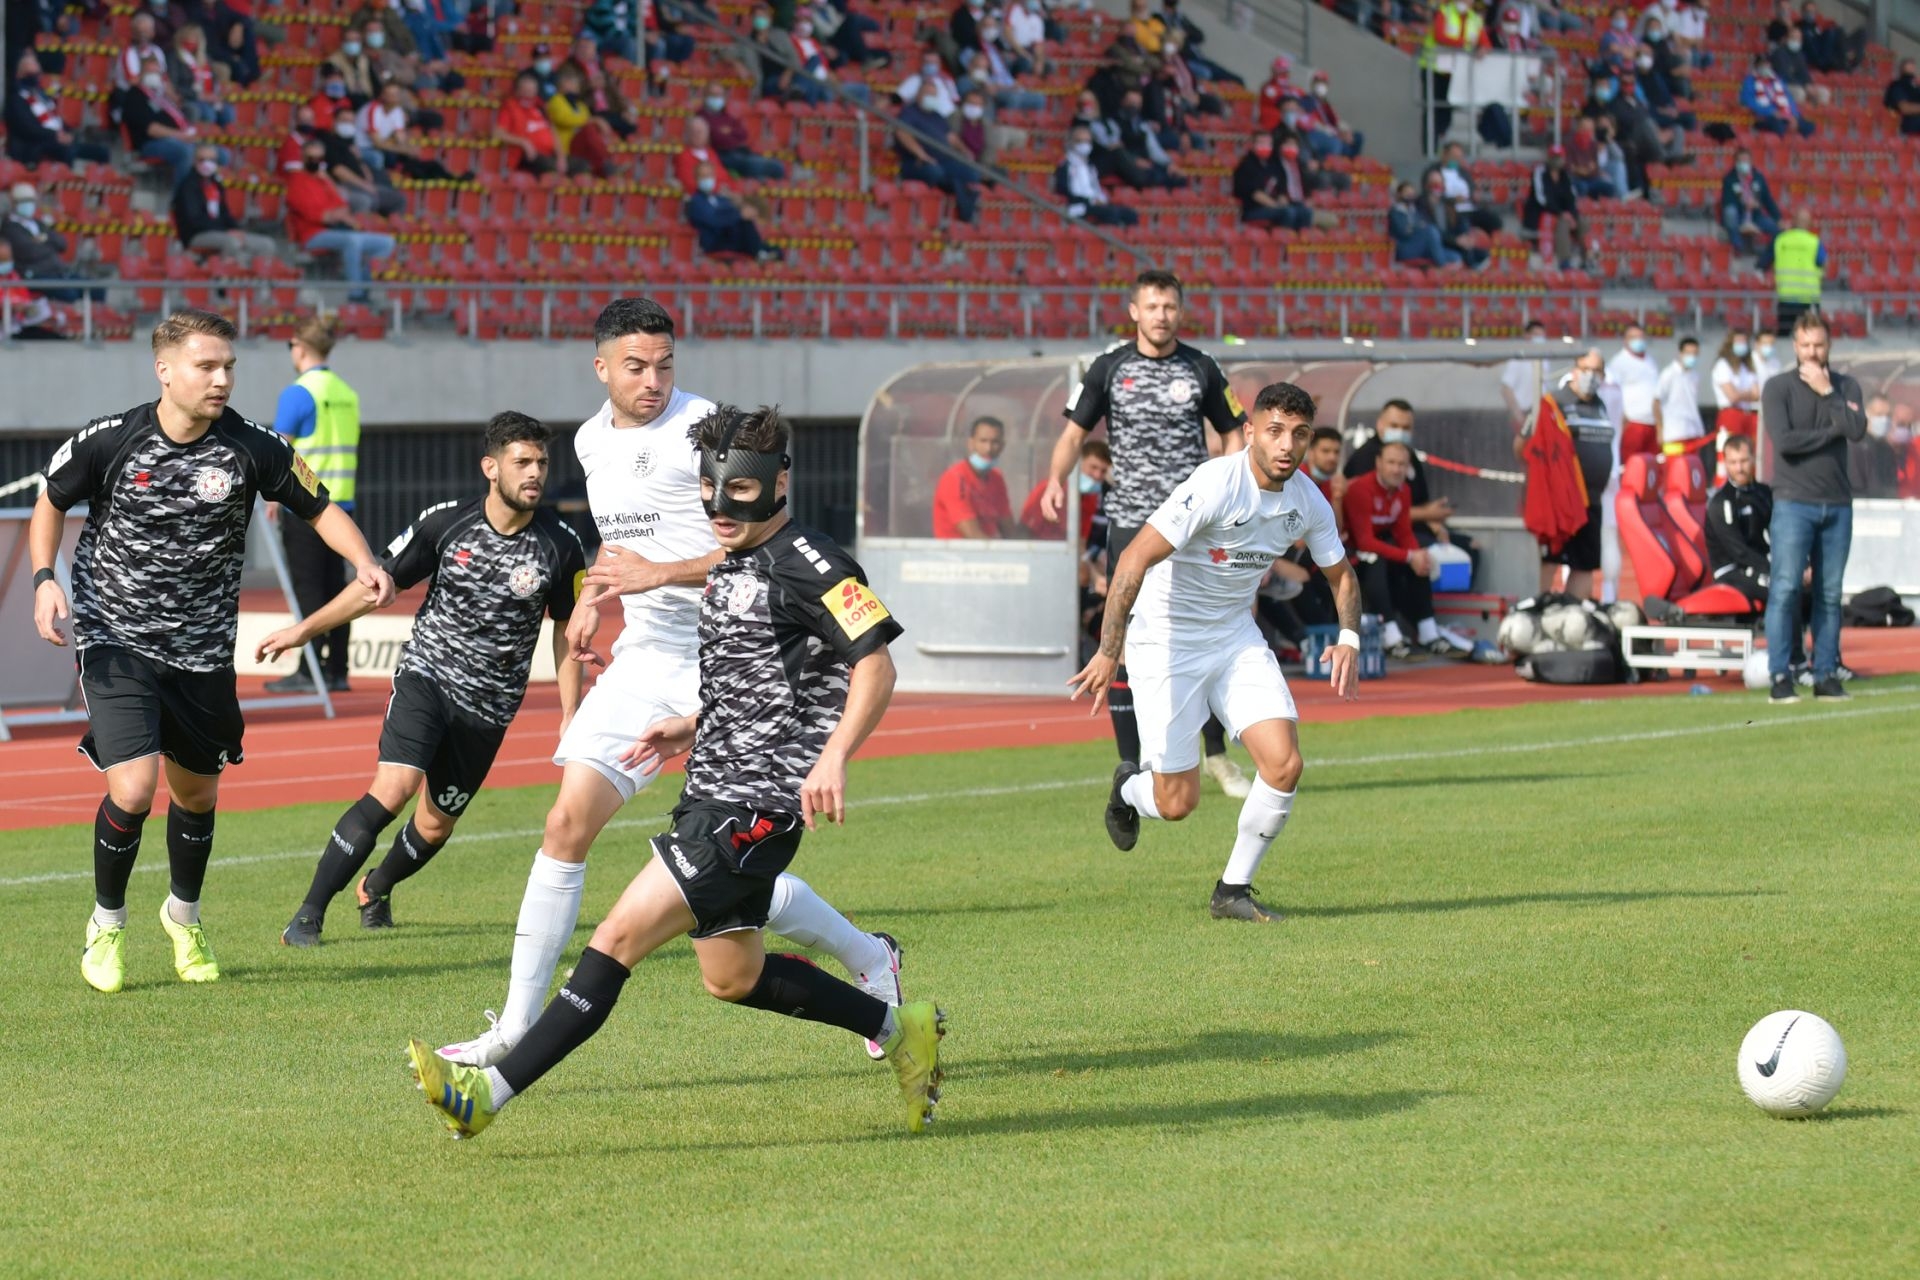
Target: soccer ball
column 1792, row 1063
column 1519, row 633
column 1754, row 671
column 1625, row 613
column 1568, row 625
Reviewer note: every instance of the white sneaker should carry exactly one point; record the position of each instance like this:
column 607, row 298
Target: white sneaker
column 1228, row 775
column 1460, row 642
column 484, row 1050
column 882, row 984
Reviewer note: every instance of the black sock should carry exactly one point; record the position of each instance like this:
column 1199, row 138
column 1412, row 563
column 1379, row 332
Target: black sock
column 1214, row 735
column 569, row 1021
column 798, row 989
column 410, row 852
column 1126, row 730
column 189, row 845
column 348, row 848
column 116, row 843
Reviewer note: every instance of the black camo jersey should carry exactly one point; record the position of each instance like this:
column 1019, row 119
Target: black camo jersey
column 474, row 635
column 157, row 568
column 780, row 625
column 1157, row 410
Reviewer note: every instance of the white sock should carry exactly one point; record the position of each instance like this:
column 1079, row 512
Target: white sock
column 1138, row 792
column 1261, row 819
column 1426, row 631
column 547, row 915
column 1390, row 634
column 182, row 912
column 888, row 1028
column 810, row 920
column 502, row 1091
column 114, row 919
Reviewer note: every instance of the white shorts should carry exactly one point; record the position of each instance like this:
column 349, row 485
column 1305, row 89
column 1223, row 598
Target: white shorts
column 640, row 687
column 1238, row 681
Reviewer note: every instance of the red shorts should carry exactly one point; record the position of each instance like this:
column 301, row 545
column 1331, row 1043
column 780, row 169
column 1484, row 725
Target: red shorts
column 1639, row 437
column 1738, row 422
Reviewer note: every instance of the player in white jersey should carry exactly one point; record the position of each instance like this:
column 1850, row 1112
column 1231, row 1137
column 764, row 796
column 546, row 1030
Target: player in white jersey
column 1180, row 606
column 643, row 486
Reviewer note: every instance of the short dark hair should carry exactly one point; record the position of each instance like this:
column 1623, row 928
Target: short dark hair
column 1688, row 340
column 1097, row 449
column 760, row 430
column 1154, row 278
column 1737, row 444
column 987, row 420
column 1536, row 323
column 1325, row 433
column 1285, row 397
column 1397, row 403
column 510, row 426
column 1811, row 319
column 624, row 316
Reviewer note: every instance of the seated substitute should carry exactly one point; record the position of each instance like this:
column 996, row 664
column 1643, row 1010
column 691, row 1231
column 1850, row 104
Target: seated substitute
column 971, row 499
column 1393, row 566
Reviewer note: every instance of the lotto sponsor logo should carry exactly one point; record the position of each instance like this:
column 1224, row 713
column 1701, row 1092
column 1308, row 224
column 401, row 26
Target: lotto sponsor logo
column 854, row 607
column 304, row 475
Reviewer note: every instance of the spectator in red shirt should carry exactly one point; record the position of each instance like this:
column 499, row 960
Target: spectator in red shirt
column 523, row 125
column 319, row 221
column 698, row 151
column 1276, row 93
column 1096, row 464
column 1394, row 569
column 971, row 499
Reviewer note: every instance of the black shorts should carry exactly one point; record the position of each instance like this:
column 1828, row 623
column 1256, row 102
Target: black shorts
column 725, row 857
column 425, row 730
column 1582, row 551
column 139, row 706
column 1118, row 536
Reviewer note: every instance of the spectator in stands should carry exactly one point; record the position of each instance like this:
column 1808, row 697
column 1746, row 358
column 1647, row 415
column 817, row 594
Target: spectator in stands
column 319, row 220
column 522, row 124
column 729, row 139
column 31, row 314
column 1736, row 388
column 970, row 501
column 1457, row 28
column 1191, row 40
column 1657, row 95
column 1141, row 141
column 1148, row 29
column 609, row 106
column 1096, row 464
column 38, row 251
column 1771, row 102
column 992, row 67
column 1828, row 46
column 1789, row 61
column 1180, row 93
column 1416, row 238
column 1110, row 157
column 777, row 56
column 1551, row 195
column 388, row 125
column 544, row 70
column 666, row 42
column 922, row 163
column 973, row 131
column 931, row 80
column 332, row 102
column 1514, row 33
column 1595, row 161
column 1325, row 133
column 1903, row 98
column 142, row 46
column 1873, row 464
column 367, row 189
column 1270, row 195
column 1429, row 515
column 696, row 151
column 1394, row 568
column 610, row 23
column 814, row 82
column 1026, row 36
column 1642, row 140
column 1676, row 400
column 578, row 135
column 1275, row 94
column 1455, row 233
column 203, row 220
column 432, row 33
column 235, row 47
column 847, row 30
column 157, row 127
column 1618, row 43
column 352, row 69
column 1076, row 181
column 36, row 131
column 1456, row 180
column 722, row 226
column 195, row 84
column 1669, row 63
column 1638, row 377
column 1687, row 31
column 963, row 26
column 1747, row 209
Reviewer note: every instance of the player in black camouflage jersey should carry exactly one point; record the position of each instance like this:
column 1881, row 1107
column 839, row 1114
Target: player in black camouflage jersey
column 1159, row 396
column 497, row 564
column 170, row 489
column 794, row 674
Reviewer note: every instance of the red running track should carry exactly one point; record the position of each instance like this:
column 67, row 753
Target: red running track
column 294, row 756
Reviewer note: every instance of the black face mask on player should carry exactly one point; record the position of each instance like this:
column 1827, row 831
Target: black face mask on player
column 718, row 466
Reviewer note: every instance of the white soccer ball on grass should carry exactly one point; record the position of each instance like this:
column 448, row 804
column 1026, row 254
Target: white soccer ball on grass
column 1792, row 1063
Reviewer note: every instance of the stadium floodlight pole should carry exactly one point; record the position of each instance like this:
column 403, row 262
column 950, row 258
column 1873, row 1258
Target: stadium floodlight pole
column 695, row 12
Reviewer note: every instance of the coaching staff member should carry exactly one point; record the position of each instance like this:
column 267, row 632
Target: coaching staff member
column 169, row 488
column 319, row 415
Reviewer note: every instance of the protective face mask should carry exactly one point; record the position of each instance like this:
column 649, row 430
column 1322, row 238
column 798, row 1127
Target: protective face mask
column 1318, row 474
column 1740, row 348
column 1290, row 118
column 29, row 81
column 315, row 166
column 761, row 22
column 980, row 464
column 1265, row 152
column 1655, row 35
column 208, row 168
column 803, row 29
column 930, row 102
column 376, row 39
column 334, row 88
column 1620, row 23
column 1637, row 345
column 716, row 105
column 1793, row 46
column 350, row 47
column 1083, row 149
column 1088, row 485
column 990, row 34
column 344, row 130
column 543, row 66
column 1878, row 426
column 25, row 208
column 1395, row 435
column 1538, row 337
column 1321, row 90
column 972, row 110
column 1742, row 168
column 707, row 184
column 1689, row 360
column 1765, row 351
column 1603, row 94
column 1900, row 437
column 152, row 84
column 1643, row 63
column 1582, row 384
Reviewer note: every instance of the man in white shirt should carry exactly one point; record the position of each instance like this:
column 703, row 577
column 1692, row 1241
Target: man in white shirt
column 1635, row 373
column 932, row 79
column 1523, row 379
column 1078, row 183
column 1677, row 400
column 643, row 485
column 1180, row 606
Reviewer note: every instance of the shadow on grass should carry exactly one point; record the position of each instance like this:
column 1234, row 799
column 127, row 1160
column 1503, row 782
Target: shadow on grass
column 1451, row 780
column 1483, row 902
column 880, row 915
column 367, row 969
column 1838, row 1114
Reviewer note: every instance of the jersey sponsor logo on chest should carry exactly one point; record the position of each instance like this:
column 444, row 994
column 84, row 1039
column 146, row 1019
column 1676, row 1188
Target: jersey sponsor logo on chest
column 1241, row 557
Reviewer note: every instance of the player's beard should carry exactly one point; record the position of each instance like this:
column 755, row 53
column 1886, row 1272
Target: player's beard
column 517, row 503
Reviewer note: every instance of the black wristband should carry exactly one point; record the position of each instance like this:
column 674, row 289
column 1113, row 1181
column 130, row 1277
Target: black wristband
column 41, row 577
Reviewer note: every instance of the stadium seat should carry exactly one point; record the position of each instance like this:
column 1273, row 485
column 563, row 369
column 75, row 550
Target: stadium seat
column 1646, row 532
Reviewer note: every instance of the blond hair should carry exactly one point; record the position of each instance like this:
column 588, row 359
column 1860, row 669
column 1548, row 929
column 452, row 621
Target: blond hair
column 318, row 334
column 183, row 324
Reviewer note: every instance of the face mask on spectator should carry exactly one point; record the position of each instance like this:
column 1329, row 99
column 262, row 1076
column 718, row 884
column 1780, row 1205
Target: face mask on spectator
column 25, row 208
column 1263, row 148
column 716, row 103
column 315, row 164
column 1899, row 437
column 350, row 47
column 1318, row 474
column 208, row 168
column 152, row 83
column 930, row 102
column 1583, row 381
column 6, row 266
column 1083, row 149
column 1743, row 167
column 376, row 39
column 1603, row 93
column 1637, row 345
column 1878, row 426
column 803, row 29
column 990, row 34
column 1536, row 337
column 1395, row 435
column 1740, row 348
column 972, row 110
column 1655, row 35
column 1290, row 151
column 344, row 129
column 1793, row 46
column 1620, row 23
column 707, row 185
column 1644, row 62
column 334, row 88
column 761, row 22
column 1088, row 485
column 1688, row 360
column 543, row 66
column 1321, row 89
column 1765, row 351
column 980, row 464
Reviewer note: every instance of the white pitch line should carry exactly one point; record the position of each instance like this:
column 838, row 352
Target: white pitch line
column 1786, row 720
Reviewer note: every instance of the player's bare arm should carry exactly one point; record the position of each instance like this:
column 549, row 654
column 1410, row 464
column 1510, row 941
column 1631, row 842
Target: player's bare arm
column 356, row 600
column 1343, row 658
column 1149, row 548
column 570, row 674
column 624, row 572
column 1066, row 456
column 660, row 742
column 337, row 529
column 869, row 690
column 50, row 607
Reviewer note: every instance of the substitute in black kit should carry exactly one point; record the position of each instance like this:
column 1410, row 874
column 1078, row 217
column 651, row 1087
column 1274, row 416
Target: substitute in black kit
column 496, row 564
column 170, row 489
column 794, row 674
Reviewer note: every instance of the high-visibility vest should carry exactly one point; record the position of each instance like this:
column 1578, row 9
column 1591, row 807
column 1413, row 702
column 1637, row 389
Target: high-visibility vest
column 333, row 447
column 1796, row 266
column 1462, row 25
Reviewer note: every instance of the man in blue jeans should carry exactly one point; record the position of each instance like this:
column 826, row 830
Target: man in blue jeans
column 1811, row 414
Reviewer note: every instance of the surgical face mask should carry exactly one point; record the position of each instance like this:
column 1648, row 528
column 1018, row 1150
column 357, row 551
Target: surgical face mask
column 1536, row 337
column 152, row 83
column 1083, row 149
column 1655, row 35
column 376, row 39
column 972, row 110
column 350, row 47
column 1793, row 46
column 334, row 88
column 1603, row 94
column 1644, row 62
column 1620, row 23
column 761, row 22
column 1088, row 485
column 25, row 208
column 6, row 266
column 29, row 81
column 929, row 102
column 1899, row 436
column 208, row 168
column 1740, row 348
column 1879, row 425
column 316, row 163
column 708, row 184
column 1263, row 150
column 1290, row 118
column 1742, row 167
column 980, row 464
column 990, row 33
column 716, row 105
column 1583, row 382
column 803, row 29
column 1637, row 345
column 1321, row 89
column 543, row 66
column 1765, row 351
column 1318, row 474
column 1290, row 151
column 1395, row 435
column 344, row 129
column 1688, row 360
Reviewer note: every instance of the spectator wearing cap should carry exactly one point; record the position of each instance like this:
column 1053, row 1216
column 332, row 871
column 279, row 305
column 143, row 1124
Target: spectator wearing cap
column 544, row 70
column 203, row 219
column 1456, row 181
column 1551, row 195
column 730, row 142
column 521, row 124
column 1275, row 94
column 1773, row 106
column 1320, row 125
column 36, row 131
column 1416, row 237
column 319, row 220
column 1514, row 32
column 1747, row 208
column 1077, row 181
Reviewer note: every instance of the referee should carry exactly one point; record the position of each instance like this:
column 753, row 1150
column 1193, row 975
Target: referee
column 169, row 488
column 319, row 415
column 1159, row 396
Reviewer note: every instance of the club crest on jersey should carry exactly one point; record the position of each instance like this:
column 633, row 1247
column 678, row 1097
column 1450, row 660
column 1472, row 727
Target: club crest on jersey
column 524, row 580
column 643, row 464
column 741, row 595
column 212, row 485
column 1292, row 525
column 1180, row 390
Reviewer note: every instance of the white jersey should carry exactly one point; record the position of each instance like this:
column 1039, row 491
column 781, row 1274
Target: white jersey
column 643, row 485
column 1636, row 376
column 1226, row 533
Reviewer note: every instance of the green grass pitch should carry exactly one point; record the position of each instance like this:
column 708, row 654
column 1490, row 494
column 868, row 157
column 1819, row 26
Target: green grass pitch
column 1495, row 1038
